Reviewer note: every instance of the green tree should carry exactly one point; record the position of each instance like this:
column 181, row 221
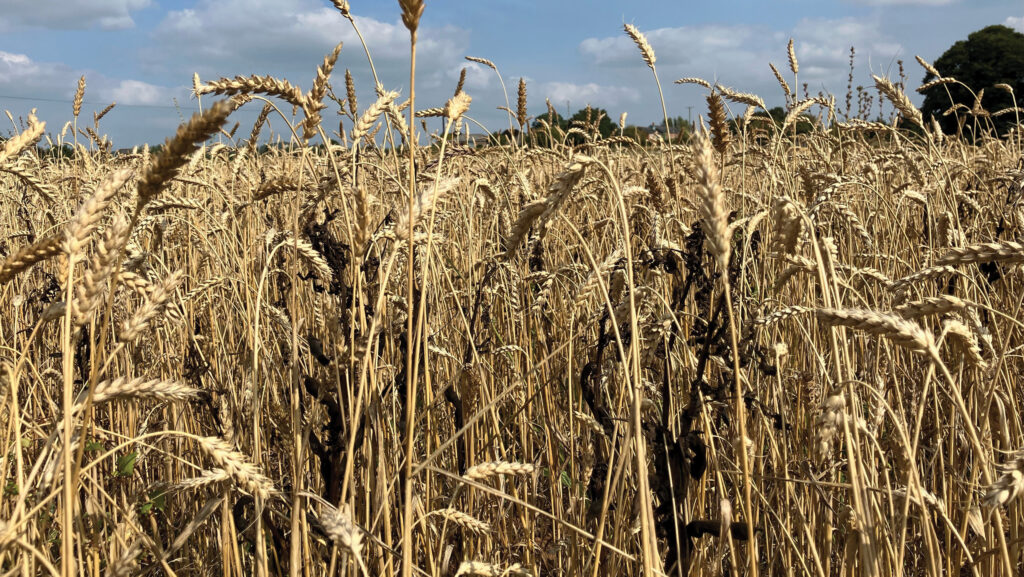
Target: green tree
column 594, row 118
column 553, row 119
column 681, row 128
column 804, row 124
column 635, row 133
column 990, row 56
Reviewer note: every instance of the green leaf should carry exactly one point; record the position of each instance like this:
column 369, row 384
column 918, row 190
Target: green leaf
column 566, row 480
column 126, row 464
column 157, row 502
column 93, row 446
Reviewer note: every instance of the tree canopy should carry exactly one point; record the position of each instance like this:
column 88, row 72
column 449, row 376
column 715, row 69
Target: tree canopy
column 990, row 56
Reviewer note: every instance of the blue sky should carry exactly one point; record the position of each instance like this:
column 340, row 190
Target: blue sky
column 142, row 53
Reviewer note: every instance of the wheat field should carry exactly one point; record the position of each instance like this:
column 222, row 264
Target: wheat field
column 755, row 350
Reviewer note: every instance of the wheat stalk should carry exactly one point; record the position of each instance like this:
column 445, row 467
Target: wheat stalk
column 782, row 81
column 206, row 478
column 314, row 100
column 412, row 11
column 76, row 108
column 423, row 203
column 967, row 342
column 720, row 132
column 899, row 285
column 741, row 97
column 483, row 61
column 694, row 80
column 90, row 292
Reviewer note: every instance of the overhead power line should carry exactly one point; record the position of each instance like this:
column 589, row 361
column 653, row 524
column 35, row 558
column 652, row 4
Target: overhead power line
column 191, row 106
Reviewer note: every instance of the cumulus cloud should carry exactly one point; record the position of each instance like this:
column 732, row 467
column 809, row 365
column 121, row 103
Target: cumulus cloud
column 478, row 76
column 738, row 55
column 71, row 15
column 672, row 46
column 136, row 92
column 23, row 77
column 580, row 95
column 290, row 37
column 1015, row 22
column 823, row 48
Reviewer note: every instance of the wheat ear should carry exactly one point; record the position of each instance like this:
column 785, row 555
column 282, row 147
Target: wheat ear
column 712, row 207
column 178, row 150
column 139, row 388
column 464, row 520
column 245, row 474
column 1009, row 486
column 154, row 304
column 255, row 85
column 1008, row 252
column 339, row 526
column 495, row 468
column 27, row 256
column 900, row 331
column 16, row 144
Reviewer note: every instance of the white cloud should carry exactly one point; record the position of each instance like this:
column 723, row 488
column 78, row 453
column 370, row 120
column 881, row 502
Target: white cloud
column 823, row 49
column 738, row 56
column 289, row 38
column 478, row 76
column 23, row 77
column 580, row 95
column 135, row 92
column 672, row 46
column 228, row 37
column 1015, row 22
column 70, row 14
